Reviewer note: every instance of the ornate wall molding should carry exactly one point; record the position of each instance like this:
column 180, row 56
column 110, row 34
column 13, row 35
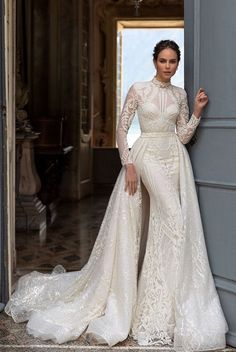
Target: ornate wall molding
column 145, row 3
column 104, row 8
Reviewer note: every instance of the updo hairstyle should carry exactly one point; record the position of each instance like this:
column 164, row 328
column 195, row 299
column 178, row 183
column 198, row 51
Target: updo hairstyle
column 164, row 44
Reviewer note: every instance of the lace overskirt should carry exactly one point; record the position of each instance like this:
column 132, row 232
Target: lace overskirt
column 172, row 301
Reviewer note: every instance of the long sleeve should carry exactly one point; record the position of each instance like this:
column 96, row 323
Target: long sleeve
column 126, row 117
column 185, row 127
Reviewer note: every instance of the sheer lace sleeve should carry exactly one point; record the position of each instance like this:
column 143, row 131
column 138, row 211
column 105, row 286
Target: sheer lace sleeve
column 185, row 127
column 126, row 117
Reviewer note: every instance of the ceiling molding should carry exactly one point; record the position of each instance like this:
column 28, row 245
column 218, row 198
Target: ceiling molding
column 144, row 3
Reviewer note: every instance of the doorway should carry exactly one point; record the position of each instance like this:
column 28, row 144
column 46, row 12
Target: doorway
column 56, row 47
column 135, row 43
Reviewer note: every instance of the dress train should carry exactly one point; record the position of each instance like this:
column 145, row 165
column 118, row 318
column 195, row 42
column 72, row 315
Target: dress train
column 173, row 300
column 102, row 296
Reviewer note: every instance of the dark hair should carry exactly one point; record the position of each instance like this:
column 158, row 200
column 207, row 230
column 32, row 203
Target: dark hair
column 164, row 44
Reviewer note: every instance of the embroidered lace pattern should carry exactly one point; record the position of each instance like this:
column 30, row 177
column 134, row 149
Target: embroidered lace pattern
column 176, row 302
column 161, row 107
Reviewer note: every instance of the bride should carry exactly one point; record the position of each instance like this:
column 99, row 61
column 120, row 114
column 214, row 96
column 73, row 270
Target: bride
column 152, row 222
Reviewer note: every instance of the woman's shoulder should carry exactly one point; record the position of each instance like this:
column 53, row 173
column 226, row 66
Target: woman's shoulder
column 180, row 90
column 136, row 88
column 138, row 85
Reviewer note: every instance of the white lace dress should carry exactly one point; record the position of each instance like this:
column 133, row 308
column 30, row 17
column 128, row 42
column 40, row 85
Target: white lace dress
column 172, row 300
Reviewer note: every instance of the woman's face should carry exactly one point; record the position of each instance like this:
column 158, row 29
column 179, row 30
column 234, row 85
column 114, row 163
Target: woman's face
column 166, row 64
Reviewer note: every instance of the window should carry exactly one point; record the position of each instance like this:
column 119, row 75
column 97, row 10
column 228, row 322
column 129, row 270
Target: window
column 134, row 58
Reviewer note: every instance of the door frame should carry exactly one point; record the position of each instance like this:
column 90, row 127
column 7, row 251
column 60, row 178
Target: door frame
column 3, row 239
column 7, row 150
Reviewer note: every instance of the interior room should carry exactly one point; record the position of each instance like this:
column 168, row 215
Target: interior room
column 66, row 67
column 70, row 86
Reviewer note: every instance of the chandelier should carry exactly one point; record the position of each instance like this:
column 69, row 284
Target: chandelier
column 137, row 6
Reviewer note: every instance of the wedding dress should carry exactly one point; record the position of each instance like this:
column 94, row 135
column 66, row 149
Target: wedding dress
column 172, row 300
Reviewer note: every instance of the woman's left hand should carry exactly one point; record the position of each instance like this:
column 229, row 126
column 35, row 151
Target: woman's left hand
column 201, row 101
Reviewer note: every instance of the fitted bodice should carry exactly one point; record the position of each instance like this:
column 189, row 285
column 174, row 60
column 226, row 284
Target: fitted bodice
column 158, row 107
column 161, row 107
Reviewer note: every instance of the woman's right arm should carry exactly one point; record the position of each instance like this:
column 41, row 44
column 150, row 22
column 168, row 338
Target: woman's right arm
column 126, row 117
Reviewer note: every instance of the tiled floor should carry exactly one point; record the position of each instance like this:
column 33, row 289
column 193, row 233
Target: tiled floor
column 13, row 338
column 69, row 242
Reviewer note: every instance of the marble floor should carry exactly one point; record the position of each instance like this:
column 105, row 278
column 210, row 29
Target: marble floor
column 69, row 242
column 69, row 239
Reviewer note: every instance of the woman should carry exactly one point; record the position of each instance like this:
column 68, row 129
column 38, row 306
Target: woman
column 176, row 302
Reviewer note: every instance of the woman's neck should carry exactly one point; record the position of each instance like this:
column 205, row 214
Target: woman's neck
column 161, row 80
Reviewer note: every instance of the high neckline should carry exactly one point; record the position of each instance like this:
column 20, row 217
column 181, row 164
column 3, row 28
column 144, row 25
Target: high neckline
column 160, row 84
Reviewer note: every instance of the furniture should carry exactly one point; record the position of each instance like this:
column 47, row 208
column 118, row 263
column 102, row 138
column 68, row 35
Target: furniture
column 30, row 212
column 52, row 155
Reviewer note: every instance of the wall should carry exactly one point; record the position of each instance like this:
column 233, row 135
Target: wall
column 208, row 64
column 57, row 36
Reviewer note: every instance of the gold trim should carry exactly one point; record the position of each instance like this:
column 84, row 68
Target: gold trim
column 154, row 23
